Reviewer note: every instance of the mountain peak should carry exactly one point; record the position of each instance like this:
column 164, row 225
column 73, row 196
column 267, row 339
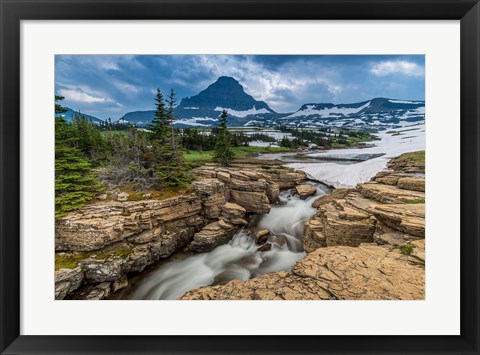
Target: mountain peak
column 227, row 79
column 225, row 93
column 227, row 83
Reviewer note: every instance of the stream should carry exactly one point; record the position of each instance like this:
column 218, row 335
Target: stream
column 237, row 260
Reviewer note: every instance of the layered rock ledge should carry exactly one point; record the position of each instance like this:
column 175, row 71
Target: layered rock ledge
column 99, row 244
column 363, row 243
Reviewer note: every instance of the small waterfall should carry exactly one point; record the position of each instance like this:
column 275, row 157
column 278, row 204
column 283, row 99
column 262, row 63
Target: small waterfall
column 239, row 259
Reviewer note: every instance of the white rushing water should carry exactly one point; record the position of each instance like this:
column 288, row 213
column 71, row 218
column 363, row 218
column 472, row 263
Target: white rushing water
column 239, row 259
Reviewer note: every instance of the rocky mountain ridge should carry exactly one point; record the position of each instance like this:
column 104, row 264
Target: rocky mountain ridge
column 227, row 93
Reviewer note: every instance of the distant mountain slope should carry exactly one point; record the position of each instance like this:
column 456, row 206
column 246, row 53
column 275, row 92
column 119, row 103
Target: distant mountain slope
column 69, row 114
column 375, row 112
column 374, row 106
column 227, row 93
column 204, row 108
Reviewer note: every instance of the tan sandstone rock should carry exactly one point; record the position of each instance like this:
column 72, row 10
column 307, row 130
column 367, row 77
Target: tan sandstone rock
column 366, row 272
column 233, row 214
column 335, row 194
column 256, row 202
column 305, row 190
column 389, row 194
column 407, row 218
column 96, row 226
column 212, row 235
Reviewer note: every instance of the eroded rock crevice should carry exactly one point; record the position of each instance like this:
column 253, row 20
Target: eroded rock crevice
column 99, row 244
column 364, row 243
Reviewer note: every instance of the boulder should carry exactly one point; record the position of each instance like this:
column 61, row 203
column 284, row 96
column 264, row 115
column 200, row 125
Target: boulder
column 334, row 195
column 224, row 176
column 233, row 214
column 256, row 202
column 273, row 191
column 212, row 235
column 285, row 178
column 92, row 292
column 120, row 283
column 123, row 196
column 343, row 225
column 97, row 270
column 262, row 236
column 313, row 236
column 212, row 194
column 265, row 247
column 67, row 281
column 305, row 190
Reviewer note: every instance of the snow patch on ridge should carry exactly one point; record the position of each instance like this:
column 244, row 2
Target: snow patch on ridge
column 194, row 121
column 326, row 112
column 405, row 102
column 242, row 114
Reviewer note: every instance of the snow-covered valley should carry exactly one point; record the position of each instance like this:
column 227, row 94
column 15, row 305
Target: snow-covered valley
column 408, row 138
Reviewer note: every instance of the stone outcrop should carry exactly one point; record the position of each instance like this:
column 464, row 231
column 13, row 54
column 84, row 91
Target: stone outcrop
column 212, row 193
column 367, row 272
column 365, row 243
column 233, row 213
column 67, row 281
column 212, row 235
column 102, row 242
column 390, row 209
column 389, row 194
column 261, row 237
column 334, row 195
column 98, row 225
column 305, row 190
column 276, row 178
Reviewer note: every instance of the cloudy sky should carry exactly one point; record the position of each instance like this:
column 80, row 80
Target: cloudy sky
column 112, row 85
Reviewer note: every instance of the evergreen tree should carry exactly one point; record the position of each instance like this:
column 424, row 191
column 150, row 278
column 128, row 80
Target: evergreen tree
column 88, row 139
column 159, row 125
column 171, row 104
column 59, row 108
column 170, row 164
column 223, row 154
column 74, row 182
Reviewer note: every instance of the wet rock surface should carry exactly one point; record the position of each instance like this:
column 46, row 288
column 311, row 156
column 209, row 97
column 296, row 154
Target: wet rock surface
column 305, row 190
column 367, row 272
column 212, row 235
column 103, row 241
column 365, row 243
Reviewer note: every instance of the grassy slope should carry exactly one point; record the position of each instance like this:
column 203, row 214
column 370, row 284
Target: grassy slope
column 194, row 156
column 414, row 157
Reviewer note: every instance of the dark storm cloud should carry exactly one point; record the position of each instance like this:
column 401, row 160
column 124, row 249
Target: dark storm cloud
column 111, row 85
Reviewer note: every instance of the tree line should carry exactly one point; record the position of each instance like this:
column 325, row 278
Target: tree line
column 140, row 159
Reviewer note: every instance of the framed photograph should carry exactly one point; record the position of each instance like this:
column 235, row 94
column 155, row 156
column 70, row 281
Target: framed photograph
column 239, row 177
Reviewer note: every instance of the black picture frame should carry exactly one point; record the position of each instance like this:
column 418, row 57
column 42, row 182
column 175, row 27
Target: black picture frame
column 14, row 11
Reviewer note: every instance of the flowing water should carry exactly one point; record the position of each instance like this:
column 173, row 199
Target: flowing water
column 239, row 259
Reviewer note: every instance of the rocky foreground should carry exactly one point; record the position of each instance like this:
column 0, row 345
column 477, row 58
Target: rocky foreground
column 98, row 245
column 363, row 243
